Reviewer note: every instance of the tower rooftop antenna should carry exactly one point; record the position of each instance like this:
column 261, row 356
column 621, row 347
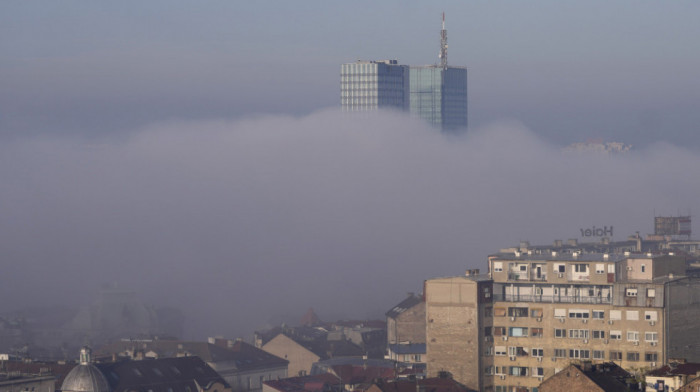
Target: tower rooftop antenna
column 443, row 44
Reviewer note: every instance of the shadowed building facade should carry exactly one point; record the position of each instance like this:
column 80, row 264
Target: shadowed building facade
column 439, row 96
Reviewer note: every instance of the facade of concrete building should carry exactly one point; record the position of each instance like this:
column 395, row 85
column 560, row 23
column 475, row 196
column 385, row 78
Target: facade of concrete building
column 552, row 309
column 455, row 306
column 548, row 309
column 683, row 318
column 300, row 358
column 372, row 85
column 405, row 322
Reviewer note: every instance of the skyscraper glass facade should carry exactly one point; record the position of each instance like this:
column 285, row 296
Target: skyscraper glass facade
column 439, row 96
column 371, row 85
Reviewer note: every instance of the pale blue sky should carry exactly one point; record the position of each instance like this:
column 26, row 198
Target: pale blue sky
column 621, row 70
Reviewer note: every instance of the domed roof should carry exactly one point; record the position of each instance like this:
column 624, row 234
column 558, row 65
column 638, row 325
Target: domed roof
column 85, row 377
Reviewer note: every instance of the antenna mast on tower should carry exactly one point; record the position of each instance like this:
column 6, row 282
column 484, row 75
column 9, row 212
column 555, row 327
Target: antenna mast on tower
column 443, row 44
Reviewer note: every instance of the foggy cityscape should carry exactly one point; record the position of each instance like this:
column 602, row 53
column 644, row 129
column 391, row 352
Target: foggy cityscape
column 189, row 172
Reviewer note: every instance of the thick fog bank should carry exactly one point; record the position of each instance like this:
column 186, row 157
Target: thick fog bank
column 237, row 222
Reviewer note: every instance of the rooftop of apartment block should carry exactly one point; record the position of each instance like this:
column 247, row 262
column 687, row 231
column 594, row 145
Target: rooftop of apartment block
column 568, row 257
column 676, row 369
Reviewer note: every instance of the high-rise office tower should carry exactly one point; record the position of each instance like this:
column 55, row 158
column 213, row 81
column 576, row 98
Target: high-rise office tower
column 372, row 85
column 436, row 93
column 439, row 96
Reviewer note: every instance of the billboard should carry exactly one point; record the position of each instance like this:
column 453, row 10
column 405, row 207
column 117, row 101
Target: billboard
column 672, row 225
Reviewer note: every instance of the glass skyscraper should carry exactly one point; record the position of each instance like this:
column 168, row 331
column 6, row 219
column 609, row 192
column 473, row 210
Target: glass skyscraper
column 439, row 96
column 371, row 85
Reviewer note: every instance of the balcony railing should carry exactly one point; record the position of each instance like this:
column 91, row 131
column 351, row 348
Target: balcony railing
column 524, row 276
column 551, row 299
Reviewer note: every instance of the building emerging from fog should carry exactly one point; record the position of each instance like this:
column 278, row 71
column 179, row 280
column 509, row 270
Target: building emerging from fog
column 435, row 93
column 439, row 96
column 372, row 85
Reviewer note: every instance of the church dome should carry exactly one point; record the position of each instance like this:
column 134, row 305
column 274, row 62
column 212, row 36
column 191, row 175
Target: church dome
column 85, row 377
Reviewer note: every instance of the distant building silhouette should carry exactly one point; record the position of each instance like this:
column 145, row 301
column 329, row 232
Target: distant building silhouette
column 435, row 93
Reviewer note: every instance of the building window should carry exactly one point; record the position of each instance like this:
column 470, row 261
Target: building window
column 499, row 331
column 633, row 356
column 538, row 352
column 487, row 331
column 632, row 315
column 516, row 352
column 559, row 353
column 616, row 355
column 644, row 268
column 559, row 333
column 536, row 332
column 615, row 315
column 499, row 312
column 650, row 316
column 500, row 351
column 578, row 334
column 536, row 312
column 517, row 312
column 517, row 332
column 518, row 371
column 632, row 336
column 583, row 268
column 562, row 268
column 651, row 336
column 598, row 334
column 578, row 313
column 600, row 269
column 616, row 335
column 651, row 357
column 488, row 311
column 598, row 354
column 599, row 314
column 498, row 266
column 581, row 354
column 651, row 293
column 631, row 292
column 537, row 372
column 489, row 351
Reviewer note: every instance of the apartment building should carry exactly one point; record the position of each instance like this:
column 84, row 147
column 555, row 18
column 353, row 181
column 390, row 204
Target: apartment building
column 456, row 313
column 547, row 309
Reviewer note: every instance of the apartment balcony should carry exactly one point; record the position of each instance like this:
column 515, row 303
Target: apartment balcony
column 525, row 277
column 551, row 299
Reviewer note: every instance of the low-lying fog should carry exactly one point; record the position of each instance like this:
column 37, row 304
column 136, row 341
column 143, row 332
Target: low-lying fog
column 239, row 222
